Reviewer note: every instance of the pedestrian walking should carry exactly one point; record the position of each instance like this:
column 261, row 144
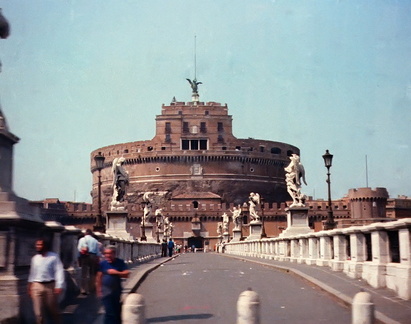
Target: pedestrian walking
column 45, row 283
column 170, row 247
column 88, row 248
column 164, row 248
column 108, row 283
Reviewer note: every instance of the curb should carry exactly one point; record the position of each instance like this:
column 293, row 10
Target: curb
column 139, row 277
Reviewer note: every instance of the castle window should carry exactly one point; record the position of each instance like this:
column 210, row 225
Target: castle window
column 220, row 139
column 194, row 144
column 203, row 127
column 168, row 138
column 125, row 151
column 195, row 204
column 168, row 128
column 220, row 127
column 163, row 148
column 206, row 113
column 224, row 148
column 149, row 148
column 185, row 127
column 275, row 150
column 262, row 149
column 238, row 148
column 185, row 144
column 289, row 153
column 203, row 144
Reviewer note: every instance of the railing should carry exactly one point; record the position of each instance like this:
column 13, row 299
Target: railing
column 65, row 240
column 379, row 253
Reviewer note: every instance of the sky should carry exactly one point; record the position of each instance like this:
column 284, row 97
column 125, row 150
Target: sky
column 325, row 74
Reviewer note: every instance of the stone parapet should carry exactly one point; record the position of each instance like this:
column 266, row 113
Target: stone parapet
column 379, row 253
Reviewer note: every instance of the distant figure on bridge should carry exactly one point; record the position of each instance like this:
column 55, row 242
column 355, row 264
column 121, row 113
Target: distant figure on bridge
column 170, row 247
column 46, row 279
column 164, row 248
column 88, row 248
column 111, row 271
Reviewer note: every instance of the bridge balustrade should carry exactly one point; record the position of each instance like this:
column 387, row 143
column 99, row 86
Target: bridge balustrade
column 379, row 253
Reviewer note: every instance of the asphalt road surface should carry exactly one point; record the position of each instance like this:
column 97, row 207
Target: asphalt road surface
column 204, row 288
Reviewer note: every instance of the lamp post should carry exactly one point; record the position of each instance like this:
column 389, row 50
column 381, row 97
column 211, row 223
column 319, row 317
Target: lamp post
column 329, row 224
column 99, row 226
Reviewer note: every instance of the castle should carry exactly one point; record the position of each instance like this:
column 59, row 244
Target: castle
column 205, row 171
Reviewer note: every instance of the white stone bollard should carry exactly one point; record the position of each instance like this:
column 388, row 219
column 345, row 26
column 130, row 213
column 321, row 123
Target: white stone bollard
column 362, row 309
column 134, row 310
column 248, row 308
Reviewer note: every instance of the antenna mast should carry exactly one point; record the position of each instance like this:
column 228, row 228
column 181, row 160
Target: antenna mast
column 195, row 57
column 366, row 171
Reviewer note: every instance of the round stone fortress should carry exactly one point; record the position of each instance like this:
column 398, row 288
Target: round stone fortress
column 194, row 154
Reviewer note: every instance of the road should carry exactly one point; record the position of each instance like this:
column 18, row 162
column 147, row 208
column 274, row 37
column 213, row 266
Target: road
column 204, row 288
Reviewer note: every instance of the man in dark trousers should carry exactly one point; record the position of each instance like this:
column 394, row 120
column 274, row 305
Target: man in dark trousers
column 88, row 249
column 164, row 248
column 108, row 284
column 170, row 247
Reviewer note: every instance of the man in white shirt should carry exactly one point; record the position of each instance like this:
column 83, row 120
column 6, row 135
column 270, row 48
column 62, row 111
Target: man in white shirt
column 88, row 248
column 46, row 281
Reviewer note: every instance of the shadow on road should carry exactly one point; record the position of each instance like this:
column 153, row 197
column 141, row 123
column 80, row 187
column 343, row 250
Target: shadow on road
column 82, row 310
column 164, row 319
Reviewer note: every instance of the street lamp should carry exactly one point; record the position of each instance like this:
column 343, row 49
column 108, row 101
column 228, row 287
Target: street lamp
column 99, row 226
column 328, row 159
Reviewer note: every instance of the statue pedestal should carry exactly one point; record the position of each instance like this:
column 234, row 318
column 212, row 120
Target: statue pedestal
column 297, row 222
column 160, row 235
column 147, row 229
column 237, row 235
column 226, row 237
column 256, row 230
column 117, row 224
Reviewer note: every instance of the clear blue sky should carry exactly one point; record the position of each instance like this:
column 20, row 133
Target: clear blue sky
column 78, row 75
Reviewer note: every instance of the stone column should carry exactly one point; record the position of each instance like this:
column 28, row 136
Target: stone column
column 325, row 250
column 340, row 251
column 375, row 272
column 294, row 249
column 312, row 250
column 303, row 246
column 404, row 268
column 358, row 251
